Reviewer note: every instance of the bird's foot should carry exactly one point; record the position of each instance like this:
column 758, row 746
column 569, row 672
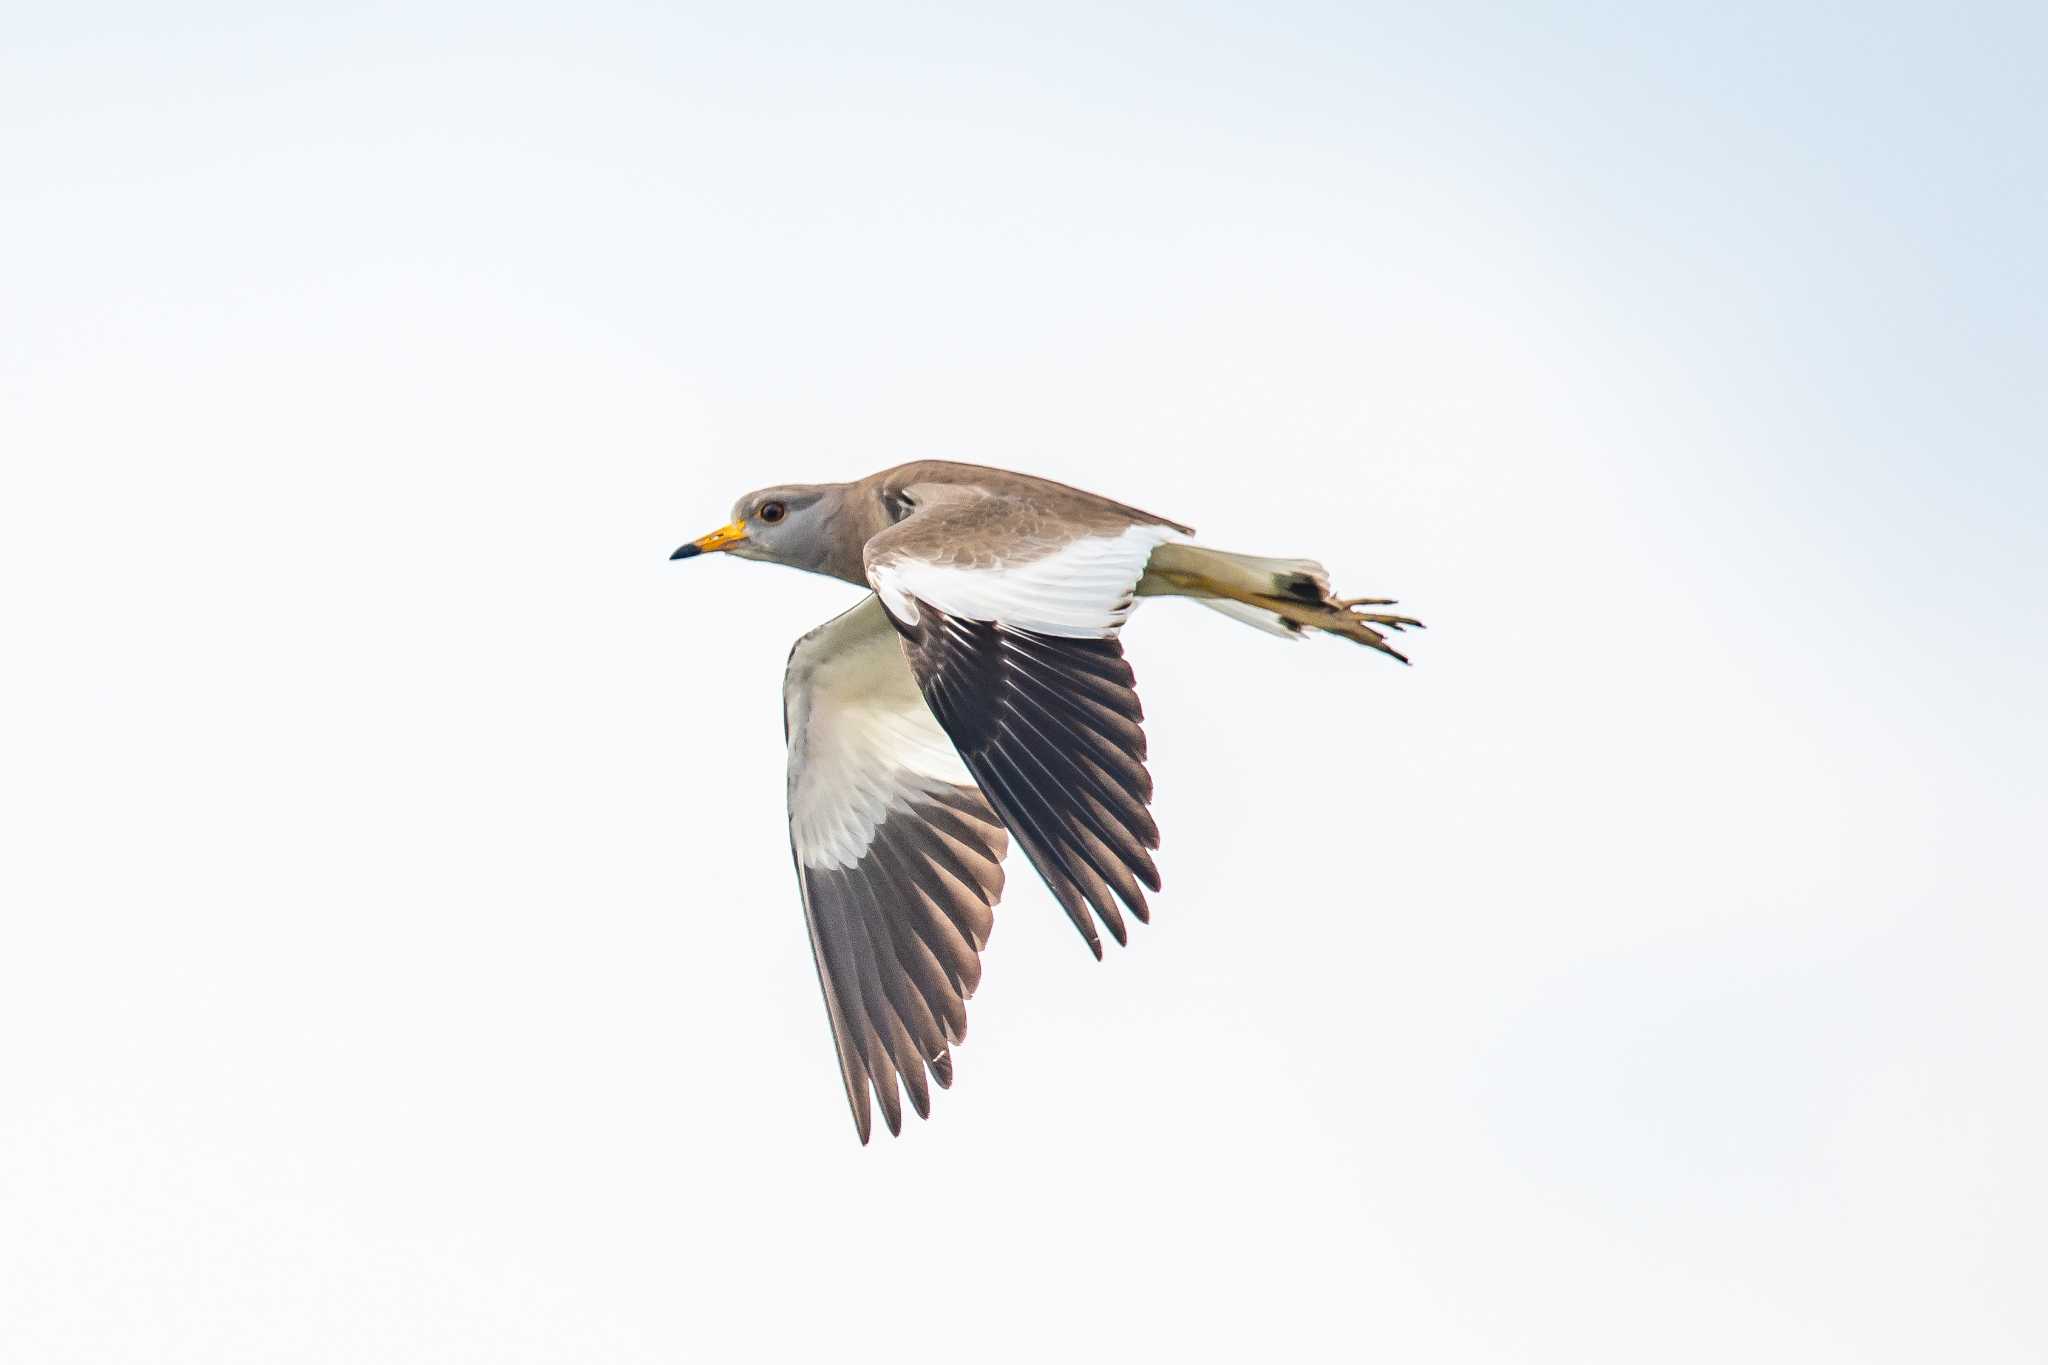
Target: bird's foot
column 1350, row 606
column 1343, row 617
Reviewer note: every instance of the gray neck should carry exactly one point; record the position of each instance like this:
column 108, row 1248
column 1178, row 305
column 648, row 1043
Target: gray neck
column 855, row 514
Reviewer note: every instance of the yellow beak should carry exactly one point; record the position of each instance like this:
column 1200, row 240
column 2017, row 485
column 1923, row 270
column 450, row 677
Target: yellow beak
column 724, row 538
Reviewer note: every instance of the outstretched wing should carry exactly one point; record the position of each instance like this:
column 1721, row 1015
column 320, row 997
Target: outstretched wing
column 1009, row 619
column 898, row 855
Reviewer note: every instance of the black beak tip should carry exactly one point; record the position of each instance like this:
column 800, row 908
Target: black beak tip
column 686, row 552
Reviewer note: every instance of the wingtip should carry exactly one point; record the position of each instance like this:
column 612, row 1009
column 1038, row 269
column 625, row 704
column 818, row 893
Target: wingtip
column 857, row 1106
column 920, row 1093
column 892, row 1106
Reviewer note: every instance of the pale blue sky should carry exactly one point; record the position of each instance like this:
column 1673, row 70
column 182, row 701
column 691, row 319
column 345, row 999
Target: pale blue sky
column 403, row 960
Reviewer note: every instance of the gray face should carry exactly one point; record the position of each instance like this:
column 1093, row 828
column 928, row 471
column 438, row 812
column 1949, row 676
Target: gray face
column 786, row 524
column 797, row 524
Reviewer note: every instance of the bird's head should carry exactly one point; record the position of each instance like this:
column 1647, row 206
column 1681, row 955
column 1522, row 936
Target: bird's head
column 787, row 524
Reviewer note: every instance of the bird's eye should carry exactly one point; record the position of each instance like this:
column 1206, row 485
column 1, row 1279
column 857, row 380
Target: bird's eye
column 772, row 512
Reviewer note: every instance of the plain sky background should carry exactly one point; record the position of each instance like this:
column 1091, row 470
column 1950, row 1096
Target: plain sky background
column 401, row 959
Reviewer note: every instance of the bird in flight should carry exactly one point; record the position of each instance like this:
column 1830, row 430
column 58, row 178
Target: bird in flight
column 977, row 693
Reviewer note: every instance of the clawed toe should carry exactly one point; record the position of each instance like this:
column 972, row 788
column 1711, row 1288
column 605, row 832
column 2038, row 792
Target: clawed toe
column 1350, row 605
